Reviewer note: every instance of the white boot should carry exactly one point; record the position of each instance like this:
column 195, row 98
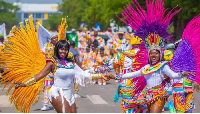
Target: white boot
column 77, row 96
column 45, row 108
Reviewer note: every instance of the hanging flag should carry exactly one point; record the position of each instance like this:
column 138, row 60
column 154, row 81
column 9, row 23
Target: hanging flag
column 43, row 36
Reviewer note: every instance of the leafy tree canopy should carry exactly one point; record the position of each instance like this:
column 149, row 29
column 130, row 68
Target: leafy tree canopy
column 8, row 15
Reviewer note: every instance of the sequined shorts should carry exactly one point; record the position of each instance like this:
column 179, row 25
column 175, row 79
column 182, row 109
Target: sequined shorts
column 133, row 107
column 156, row 96
column 183, row 102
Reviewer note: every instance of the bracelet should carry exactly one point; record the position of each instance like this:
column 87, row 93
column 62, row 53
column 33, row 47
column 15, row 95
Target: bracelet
column 181, row 74
column 30, row 82
column 118, row 77
column 96, row 76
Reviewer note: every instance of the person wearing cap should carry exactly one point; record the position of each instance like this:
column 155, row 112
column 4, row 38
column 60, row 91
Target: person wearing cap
column 122, row 42
column 74, row 37
column 48, row 82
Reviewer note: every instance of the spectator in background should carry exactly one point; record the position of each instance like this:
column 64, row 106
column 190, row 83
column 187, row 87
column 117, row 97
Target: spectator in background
column 114, row 31
column 76, row 57
column 102, row 65
column 89, row 42
column 98, row 38
column 74, row 37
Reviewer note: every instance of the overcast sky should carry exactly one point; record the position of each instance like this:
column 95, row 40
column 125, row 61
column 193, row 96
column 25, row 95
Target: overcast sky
column 36, row 1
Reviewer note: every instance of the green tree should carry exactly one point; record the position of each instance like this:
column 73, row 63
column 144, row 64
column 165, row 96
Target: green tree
column 102, row 11
column 53, row 22
column 75, row 11
column 190, row 9
column 8, row 15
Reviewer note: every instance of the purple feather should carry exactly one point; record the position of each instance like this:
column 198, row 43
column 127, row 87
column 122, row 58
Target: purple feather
column 183, row 59
column 155, row 19
column 146, row 28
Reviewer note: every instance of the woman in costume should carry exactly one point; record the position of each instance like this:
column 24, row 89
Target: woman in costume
column 64, row 72
column 187, row 54
column 49, row 79
column 151, row 26
column 27, row 68
column 154, row 73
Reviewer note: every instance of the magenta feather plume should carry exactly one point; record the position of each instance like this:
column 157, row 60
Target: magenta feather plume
column 145, row 21
column 192, row 34
column 187, row 55
column 141, row 59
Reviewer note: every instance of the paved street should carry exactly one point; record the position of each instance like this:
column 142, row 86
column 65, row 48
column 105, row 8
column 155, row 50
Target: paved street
column 97, row 99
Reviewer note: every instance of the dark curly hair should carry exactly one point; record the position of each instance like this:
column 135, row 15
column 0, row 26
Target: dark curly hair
column 60, row 44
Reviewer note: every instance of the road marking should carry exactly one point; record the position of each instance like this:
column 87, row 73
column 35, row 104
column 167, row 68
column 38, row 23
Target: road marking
column 96, row 99
column 4, row 101
column 2, row 88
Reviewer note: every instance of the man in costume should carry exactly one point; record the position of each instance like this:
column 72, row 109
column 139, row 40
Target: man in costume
column 119, row 45
column 128, row 62
column 121, row 42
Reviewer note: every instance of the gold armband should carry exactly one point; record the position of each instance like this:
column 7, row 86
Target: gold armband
column 30, row 82
column 96, row 76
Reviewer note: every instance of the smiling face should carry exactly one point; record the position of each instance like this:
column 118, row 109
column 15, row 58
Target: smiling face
column 154, row 55
column 63, row 52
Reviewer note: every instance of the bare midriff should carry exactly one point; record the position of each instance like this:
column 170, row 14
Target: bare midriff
column 157, row 87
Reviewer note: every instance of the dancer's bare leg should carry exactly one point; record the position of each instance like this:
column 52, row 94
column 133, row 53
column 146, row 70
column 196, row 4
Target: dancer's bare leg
column 57, row 104
column 74, row 108
column 155, row 108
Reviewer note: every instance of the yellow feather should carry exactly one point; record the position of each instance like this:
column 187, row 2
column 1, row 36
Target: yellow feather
column 23, row 59
column 63, row 29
